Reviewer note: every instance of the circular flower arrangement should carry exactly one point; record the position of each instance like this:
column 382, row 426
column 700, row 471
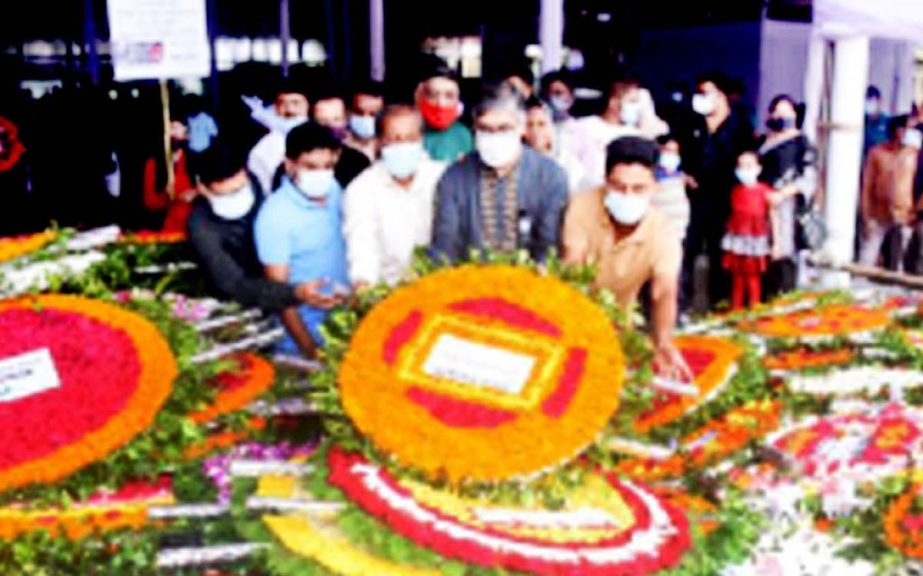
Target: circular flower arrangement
column 713, row 361
column 711, row 443
column 238, row 388
column 903, row 523
column 480, row 363
column 17, row 246
column 608, row 527
column 79, row 402
column 819, row 324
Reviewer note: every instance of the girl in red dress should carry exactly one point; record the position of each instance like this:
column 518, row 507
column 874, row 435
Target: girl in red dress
column 747, row 242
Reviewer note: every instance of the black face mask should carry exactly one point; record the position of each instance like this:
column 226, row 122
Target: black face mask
column 779, row 124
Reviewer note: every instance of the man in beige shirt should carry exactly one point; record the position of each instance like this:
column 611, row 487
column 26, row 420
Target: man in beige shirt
column 630, row 243
column 887, row 188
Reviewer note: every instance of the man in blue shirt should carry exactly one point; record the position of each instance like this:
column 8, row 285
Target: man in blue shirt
column 299, row 235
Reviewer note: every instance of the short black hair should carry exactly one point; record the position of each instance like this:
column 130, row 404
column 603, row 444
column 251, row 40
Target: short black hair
column 873, row 92
column 291, row 86
column 631, row 150
column 368, row 87
column 719, row 79
column 550, row 78
column 220, row 162
column 497, row 97
column 896, row 122
column 308, row 137
column 536, row 102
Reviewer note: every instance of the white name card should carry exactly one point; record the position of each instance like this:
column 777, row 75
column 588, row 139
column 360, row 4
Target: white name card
column 27, row 374
column 468, row 362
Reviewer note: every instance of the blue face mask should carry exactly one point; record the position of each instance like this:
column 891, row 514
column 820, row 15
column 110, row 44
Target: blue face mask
column 285, row 125
column 402, row 160
column 362, row 126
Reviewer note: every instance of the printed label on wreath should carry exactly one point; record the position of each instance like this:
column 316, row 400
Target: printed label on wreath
column 27, row 375
column 479, row 365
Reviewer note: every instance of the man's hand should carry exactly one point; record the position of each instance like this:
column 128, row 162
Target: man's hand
column 670, row 364
column 310, row 293
column 775, row 198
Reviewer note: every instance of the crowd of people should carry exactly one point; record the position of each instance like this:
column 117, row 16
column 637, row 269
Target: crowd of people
column 342, row 189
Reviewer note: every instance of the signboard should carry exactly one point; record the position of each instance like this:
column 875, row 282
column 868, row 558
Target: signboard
column 158, row 39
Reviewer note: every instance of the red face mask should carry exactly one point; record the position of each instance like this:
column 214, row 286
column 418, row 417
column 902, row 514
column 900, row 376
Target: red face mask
column 438, row 117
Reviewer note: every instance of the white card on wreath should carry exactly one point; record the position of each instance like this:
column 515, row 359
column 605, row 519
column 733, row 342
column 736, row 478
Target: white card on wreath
column 27, row 374
column 468, row 362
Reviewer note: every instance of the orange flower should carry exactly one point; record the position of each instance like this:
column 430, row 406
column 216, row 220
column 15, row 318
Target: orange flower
column 832, row 321
column 908, row 540
column 439, row 420
column 153, row 237
column 11, row 248
column 800, row 359
column 224, row 440
column 239, row 388
column 711, row 443
column 722, row 354
column 155, row 379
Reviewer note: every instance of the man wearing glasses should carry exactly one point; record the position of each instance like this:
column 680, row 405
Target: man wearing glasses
column 505, row 196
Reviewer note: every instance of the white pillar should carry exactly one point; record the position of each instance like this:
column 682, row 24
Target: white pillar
column 377, row 38
column 814, row 84
column 551, row 34
column 844, row 159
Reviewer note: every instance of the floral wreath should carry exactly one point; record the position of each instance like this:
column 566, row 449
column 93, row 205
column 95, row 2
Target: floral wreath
column 238, row 388
column 18, row 246
column 618, row 527
column 903, row 523
column 137, row 368
column 807, row 358
column 819, row 324
column 713, row 361
column 414, row 355
column 712, row 443
column 153, row 237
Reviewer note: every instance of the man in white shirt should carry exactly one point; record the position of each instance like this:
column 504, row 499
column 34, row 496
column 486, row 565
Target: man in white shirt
column 291, row 109
column 388, row 209
column 629, row 112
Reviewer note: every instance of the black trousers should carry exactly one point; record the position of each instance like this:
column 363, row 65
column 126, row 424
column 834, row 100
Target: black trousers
column 706, row 229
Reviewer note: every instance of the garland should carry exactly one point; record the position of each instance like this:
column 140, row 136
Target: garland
column 135, row 355
column 18, row 246
column 819, row 324
column 153, row 237
column 903, row 523
column 566, row 396
column 808, row 358
column 715, row 441
column 252, row 377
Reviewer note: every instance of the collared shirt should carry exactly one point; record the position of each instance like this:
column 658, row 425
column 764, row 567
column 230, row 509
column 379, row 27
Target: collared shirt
column 625, row 264
column 448, row 145
column 368, row 147
column 384, row 222
column 291, row 230
column 265, row 159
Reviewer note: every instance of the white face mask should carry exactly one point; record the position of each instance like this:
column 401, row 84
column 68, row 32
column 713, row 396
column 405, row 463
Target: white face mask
column 561, row 103
column 872, row 107
column 402, row 160
column 913, row 138
column 747, row 176
column 627, row 209
column 233, row 205
column 315, row 184
column 498, row 149
column 670, row 161
column 703, row 104
column 630, row 113
column 285, row 125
